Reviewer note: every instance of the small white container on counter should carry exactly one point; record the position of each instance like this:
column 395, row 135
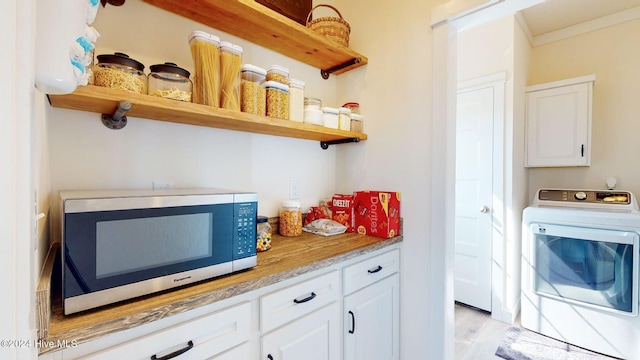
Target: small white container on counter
column 330, row 117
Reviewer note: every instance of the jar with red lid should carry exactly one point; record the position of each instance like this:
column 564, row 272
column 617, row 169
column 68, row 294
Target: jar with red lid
column 353, row 106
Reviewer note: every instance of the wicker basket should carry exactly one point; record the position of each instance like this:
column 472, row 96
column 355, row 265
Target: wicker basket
column 333, row 28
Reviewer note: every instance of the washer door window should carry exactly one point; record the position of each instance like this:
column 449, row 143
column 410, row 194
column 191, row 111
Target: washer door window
column 593, row 267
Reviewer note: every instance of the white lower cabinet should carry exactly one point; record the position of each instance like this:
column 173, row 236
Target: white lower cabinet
column 209, row 337
column 312, row 337
column 350, row 311
column 303, row 321
column 371, row 311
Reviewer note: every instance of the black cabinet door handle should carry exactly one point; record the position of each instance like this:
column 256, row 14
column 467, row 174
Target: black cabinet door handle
column 175, row 353
column 308, row 298
column 375, row 270
column 353, row 322
column 269, row 357
column 582, row 150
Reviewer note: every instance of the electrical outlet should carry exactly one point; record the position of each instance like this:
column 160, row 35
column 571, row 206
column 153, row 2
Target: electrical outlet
column 161, row 185
column 294, row 189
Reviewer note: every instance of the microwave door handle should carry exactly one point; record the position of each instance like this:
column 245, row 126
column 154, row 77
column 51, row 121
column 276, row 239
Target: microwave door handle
column 75, row 272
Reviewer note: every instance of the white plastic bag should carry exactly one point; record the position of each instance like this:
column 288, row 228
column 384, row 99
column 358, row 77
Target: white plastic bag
column 325, row 227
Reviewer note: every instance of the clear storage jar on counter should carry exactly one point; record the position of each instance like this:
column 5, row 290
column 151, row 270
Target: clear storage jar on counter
column 290, row 223
column 277, row 100
column 230, row 66
column 205, row 51
column 263, row 234
column 296, row 100
column 119, row 71
column 253, row 96
column 169, row 81
column 344, row 119
column 356, row 123
column 278, row 73
column 330, row 117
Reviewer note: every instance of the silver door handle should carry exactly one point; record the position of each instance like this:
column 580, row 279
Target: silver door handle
column 484, row 209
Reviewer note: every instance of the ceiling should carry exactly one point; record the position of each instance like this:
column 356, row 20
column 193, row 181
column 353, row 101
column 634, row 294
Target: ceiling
column 557, row 14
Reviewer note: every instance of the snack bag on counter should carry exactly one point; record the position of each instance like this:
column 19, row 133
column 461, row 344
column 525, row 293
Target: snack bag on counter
column 377, row 213
column 342, row 210
column 314, row 213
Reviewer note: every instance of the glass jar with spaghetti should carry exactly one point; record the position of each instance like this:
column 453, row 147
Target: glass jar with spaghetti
column 230, row 66
column 277, row 100
column 119, row 71
column 205, row 51
column 290, row 222
column 169, row 81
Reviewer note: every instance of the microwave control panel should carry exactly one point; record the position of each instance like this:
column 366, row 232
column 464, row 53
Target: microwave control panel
column 245, row 217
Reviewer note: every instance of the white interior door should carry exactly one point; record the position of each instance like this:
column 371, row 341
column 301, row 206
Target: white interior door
column 473, row 213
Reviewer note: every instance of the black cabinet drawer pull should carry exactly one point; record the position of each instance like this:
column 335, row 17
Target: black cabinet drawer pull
column 175, row 353
column 308, row 298
column 353, row 322
column 269, row 357
column 373, row 271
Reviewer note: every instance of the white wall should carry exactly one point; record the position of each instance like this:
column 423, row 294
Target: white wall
column 86, row 155
column 394, row 91
column 491, row 48
column 611, row 54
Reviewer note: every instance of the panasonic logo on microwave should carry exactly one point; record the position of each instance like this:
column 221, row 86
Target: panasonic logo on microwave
column 182, row 279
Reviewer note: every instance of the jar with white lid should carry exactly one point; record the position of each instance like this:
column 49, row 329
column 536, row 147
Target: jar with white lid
column 313, row 111
column 290, row 222
column 296, row 100
column 169, row 81
column 253, row 96
column 277, row 100
column 330, row 117
column 230, row 67
column 278, row 73
column 356, row 123
column 205, row 51
column 344, row 119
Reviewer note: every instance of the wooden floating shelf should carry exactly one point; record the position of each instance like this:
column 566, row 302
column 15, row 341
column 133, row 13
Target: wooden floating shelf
column 254, row 22
column 105, row 101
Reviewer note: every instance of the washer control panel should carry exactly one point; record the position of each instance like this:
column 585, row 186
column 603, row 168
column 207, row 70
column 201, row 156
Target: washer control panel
column 585, row 196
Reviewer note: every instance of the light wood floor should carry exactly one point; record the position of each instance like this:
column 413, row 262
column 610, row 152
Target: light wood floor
column 477, row 334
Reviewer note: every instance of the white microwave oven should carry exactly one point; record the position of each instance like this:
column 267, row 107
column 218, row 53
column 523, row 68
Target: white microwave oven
column 121, row 244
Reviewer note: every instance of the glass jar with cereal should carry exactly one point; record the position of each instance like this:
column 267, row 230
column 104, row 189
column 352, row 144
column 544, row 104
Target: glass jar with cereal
column 290, row 223
column 263, row 231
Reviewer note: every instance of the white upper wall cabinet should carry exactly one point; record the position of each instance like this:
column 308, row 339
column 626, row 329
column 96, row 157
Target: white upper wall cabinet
column 559, row 123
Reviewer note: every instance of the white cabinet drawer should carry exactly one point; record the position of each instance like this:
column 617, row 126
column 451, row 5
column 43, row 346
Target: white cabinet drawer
column 371, row 270
column 288, row 304
column 204, row 338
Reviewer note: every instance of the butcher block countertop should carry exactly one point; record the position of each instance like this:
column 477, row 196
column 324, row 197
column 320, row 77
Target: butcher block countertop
column 289, row 257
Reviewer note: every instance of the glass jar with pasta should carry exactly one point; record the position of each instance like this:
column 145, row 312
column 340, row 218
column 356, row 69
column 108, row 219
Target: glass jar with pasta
column 119, row 71
column 230, row 66
column 290, row 223
column 253, row 96
column 169, row 81
column 277, row 100
column 205, row 51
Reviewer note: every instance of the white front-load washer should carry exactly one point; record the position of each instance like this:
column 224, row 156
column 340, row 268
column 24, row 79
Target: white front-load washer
column 580, row 256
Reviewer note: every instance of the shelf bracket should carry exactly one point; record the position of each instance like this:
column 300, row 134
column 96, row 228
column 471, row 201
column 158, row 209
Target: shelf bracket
column 325, row 144
column 325, row 73
column 117, row 120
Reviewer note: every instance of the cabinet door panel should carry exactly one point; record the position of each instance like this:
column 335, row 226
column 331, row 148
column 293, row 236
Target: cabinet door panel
column 313, row 337
column 371, row 322
column 559, row 126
